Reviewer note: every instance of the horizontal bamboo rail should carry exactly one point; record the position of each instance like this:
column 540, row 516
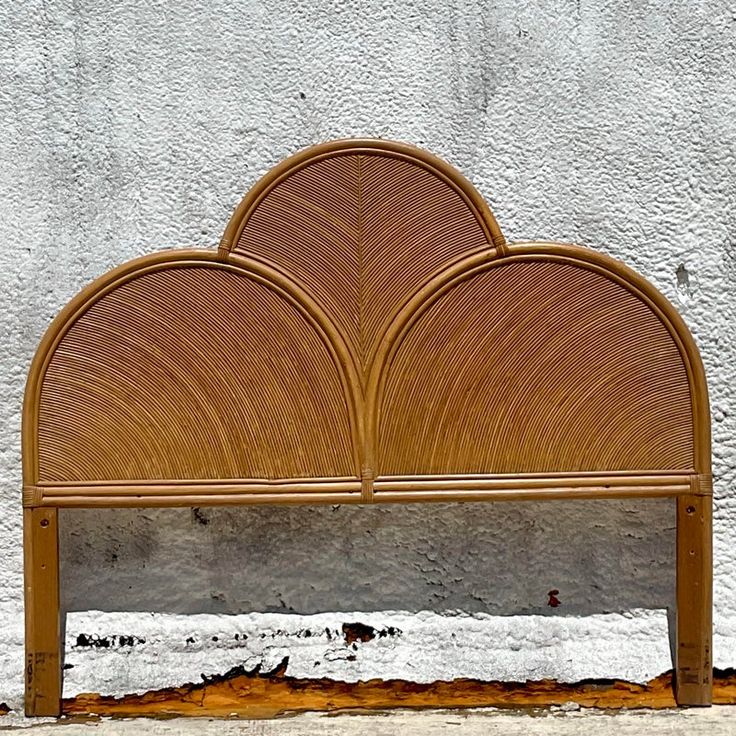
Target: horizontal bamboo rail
column 385, row 490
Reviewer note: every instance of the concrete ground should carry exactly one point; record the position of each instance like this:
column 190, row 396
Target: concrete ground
column 716, row 721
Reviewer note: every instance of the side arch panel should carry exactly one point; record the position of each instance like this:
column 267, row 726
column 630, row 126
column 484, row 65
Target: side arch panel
column 193, row 371
column 535, row 366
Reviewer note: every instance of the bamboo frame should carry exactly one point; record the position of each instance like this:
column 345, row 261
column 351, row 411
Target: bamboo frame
column 364, row 371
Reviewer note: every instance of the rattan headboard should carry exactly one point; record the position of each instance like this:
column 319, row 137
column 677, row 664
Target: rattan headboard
column 364, row 333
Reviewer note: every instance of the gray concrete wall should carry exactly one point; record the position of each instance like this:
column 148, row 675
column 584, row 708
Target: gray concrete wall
column 133, row 126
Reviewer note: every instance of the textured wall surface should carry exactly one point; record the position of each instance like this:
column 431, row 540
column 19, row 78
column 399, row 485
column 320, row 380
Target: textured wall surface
column 136, row 126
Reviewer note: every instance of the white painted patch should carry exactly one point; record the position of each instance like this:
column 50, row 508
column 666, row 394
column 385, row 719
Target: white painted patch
column 163, row 650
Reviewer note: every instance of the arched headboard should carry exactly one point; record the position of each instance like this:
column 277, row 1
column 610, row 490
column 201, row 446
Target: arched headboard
column 364, row 333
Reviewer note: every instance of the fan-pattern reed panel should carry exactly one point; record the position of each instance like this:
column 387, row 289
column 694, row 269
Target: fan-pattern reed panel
column 560, row 369
column 164, row 377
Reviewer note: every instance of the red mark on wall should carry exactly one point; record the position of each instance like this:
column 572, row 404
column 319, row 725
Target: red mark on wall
column 553, row 601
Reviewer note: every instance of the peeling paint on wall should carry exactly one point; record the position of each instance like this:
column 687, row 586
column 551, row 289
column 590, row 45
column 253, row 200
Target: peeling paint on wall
column 257, row 694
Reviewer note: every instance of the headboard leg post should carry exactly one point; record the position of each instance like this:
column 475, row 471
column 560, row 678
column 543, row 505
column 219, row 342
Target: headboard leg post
column 693, row 666
column 43, row 654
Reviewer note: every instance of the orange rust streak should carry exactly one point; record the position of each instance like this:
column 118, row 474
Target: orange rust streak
column 255, row 695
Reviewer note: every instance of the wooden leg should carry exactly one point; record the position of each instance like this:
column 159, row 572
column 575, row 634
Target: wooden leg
column 694, row 667
column 43, row 654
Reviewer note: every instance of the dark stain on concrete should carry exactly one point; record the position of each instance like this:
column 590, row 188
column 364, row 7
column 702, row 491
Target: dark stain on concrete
column 200, row 517
column 357, row 632
column 107, row 642
column 353, row 632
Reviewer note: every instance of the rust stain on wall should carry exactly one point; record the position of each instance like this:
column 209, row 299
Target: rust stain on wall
column 255, row 694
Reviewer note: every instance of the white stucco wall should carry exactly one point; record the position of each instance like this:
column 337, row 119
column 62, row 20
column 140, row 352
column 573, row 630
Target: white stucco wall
column 132, row 126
